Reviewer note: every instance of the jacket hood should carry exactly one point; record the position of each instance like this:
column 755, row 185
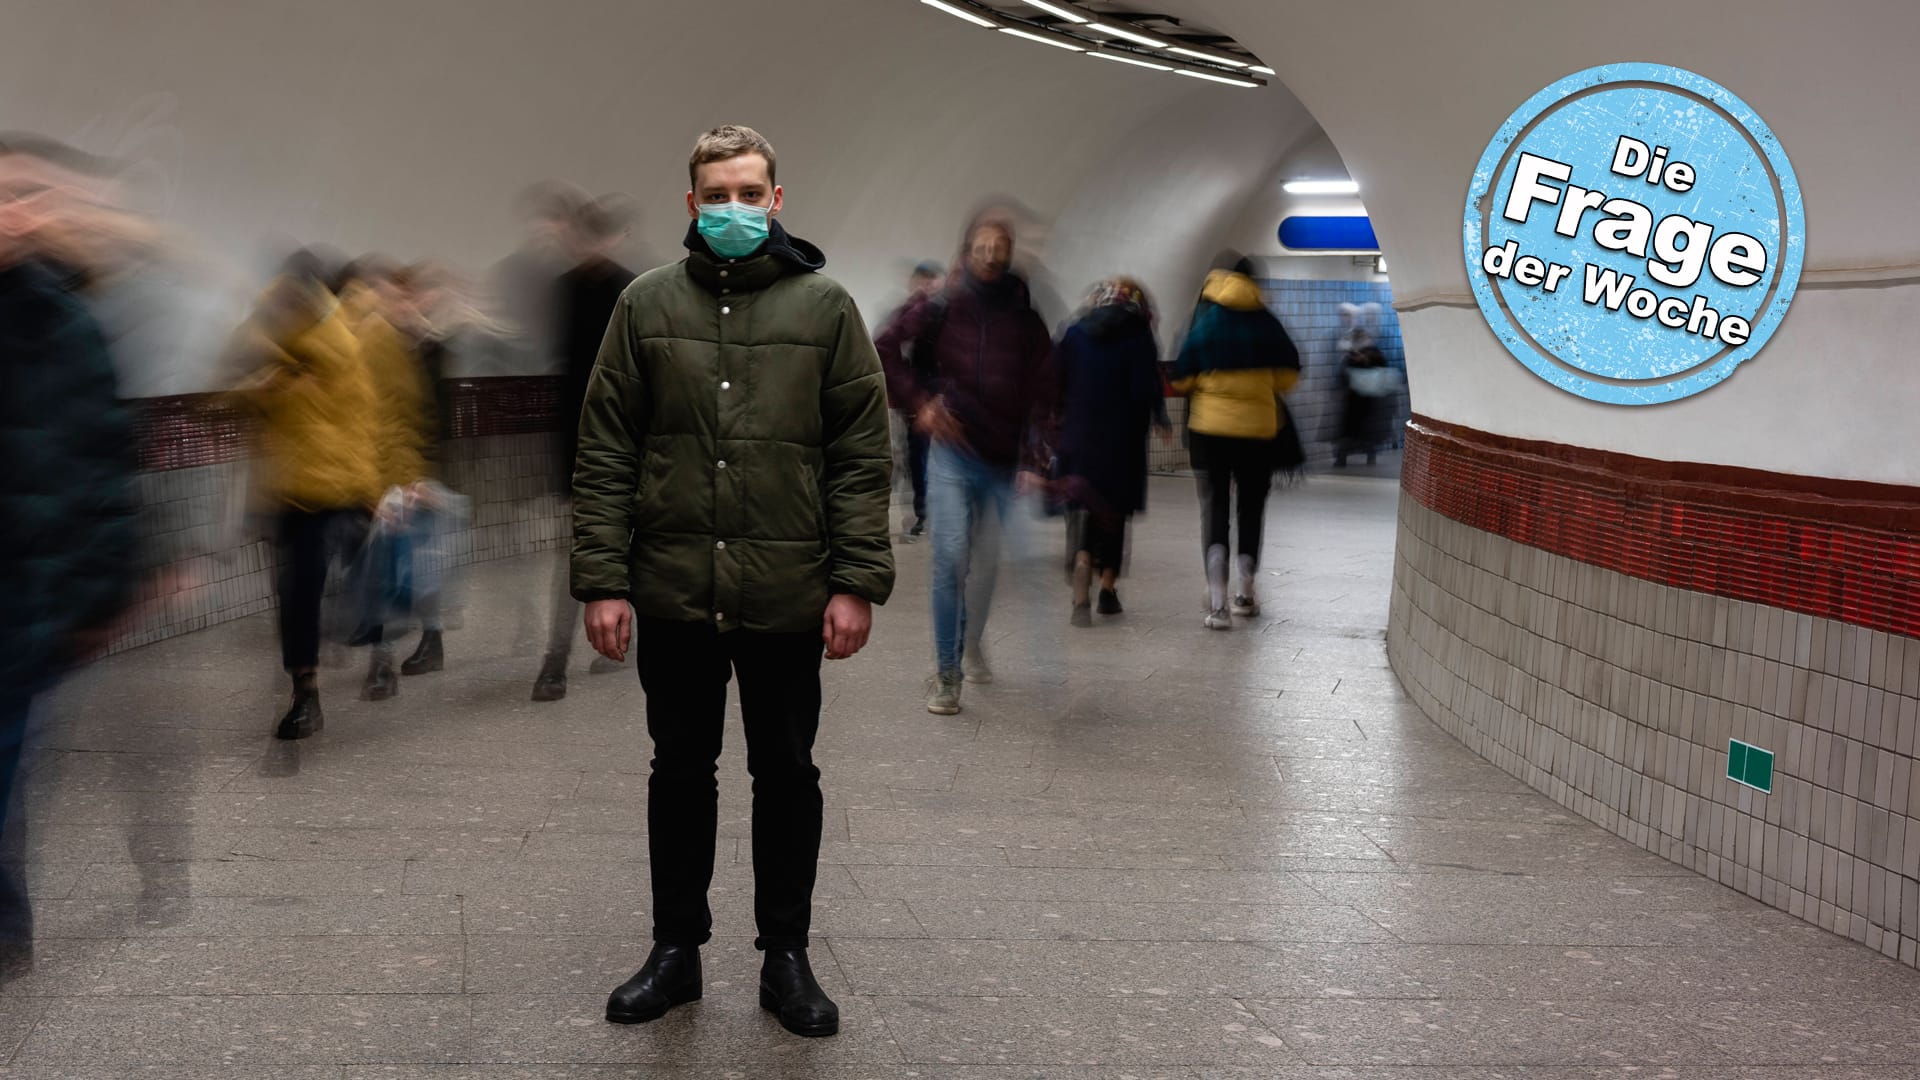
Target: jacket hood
column 1113, row 321
column 1236, row 292
column 1008, row 291
column 798, row 255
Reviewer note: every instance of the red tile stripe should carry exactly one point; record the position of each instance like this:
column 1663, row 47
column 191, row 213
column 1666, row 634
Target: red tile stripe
column 1760, row 542
column 191, row 430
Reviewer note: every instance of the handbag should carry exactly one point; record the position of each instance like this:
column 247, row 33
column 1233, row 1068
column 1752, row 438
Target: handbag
column 1373, row 381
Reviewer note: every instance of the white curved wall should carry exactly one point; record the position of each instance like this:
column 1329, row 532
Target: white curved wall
column 406, row 128
column 1412, row 92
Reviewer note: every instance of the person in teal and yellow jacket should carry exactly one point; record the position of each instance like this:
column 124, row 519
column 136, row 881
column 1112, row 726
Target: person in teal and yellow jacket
column 1235, row 366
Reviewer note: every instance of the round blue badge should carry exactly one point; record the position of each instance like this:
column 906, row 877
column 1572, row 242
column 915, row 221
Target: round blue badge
column 1633, row 232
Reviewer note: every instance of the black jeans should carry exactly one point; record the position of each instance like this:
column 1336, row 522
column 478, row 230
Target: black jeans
column 917, row 443
column 1222, row 465
column 308, row 541
column 685, row 669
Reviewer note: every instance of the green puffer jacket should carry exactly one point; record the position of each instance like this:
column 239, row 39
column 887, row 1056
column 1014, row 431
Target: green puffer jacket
column 735, row 461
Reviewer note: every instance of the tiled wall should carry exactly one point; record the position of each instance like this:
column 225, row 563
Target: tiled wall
column 1616, row 696
column 1310, row 310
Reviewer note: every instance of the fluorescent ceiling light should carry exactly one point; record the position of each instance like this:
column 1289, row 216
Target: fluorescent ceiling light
column 1208, row 57
column 1043, row 39
column 1264, row 70
column 1321, row 187
column 1068, row 14
column 962, row 13
column 1210, row 77
column 1118, row 59
column 1130, row 35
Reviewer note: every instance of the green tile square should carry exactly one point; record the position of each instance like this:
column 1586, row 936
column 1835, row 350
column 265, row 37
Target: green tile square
column 1736, row 760
column 1759, row 770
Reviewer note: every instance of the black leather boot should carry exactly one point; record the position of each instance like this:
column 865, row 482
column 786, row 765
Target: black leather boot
column 381, row 682
column 552, row 682
column 304, row 718
column 670, row 977
column 788, row 990
column 428, row 657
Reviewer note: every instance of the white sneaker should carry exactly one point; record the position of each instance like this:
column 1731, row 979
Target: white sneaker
column 1218, row 619
column 973, row 661
column 1246, row 607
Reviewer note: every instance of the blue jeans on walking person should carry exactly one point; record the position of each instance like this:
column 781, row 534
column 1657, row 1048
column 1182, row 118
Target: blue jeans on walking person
column 968, row 502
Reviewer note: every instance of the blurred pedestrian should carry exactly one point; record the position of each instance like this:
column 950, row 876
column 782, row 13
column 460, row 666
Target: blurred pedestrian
column 982, row 395
column 68, row 498
column 584, row 304
column 524, row 284
column 319, row 466
column 1236, row 365
column 375, row 306
column 926, row 279
column 1369, row 383
column 1111, row 394
column 730, row 518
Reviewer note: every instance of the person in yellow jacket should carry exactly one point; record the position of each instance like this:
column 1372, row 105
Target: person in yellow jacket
column 308, row 384
column 401, row 427
column 1236, row 365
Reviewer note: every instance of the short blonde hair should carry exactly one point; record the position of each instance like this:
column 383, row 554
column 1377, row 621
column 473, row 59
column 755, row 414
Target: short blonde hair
column 725, row 142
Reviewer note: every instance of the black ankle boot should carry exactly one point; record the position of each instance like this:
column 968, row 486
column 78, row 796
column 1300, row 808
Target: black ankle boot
column 670, row 977
column 304, row 718
column 788, row 990
column 381, row 682
column 551, row 685
column 428, row 657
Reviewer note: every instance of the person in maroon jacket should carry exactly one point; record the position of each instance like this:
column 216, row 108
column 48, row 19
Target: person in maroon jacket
column 972, row 365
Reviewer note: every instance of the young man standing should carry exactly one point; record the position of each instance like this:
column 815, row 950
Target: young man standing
column 732, row 485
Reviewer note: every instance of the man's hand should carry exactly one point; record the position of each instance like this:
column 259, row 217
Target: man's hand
column 848, row 621
column 610, row 628
column 935, row 422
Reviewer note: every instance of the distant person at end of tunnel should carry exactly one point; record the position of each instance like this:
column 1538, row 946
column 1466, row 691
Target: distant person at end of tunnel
column 730, row 517
column 1236, row 366
column 983, row 395
column 587, row 296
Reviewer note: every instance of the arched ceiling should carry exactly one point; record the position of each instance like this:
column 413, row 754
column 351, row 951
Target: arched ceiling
column 406, row 128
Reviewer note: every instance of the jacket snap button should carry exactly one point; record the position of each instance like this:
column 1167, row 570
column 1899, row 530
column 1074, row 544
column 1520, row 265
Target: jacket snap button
column 726, row 386
column 723, row 273
column 726, row 311
column 723, row 465
column 720, row 545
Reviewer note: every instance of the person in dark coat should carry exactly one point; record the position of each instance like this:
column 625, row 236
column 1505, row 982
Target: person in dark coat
column 1111, row 393
column 926, row 279
column 69, row 502
column 584, row 304
column 983, row 393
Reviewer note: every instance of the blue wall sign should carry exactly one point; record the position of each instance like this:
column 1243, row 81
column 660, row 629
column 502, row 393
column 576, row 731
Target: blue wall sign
column 1328, row 234
column 1633, row 233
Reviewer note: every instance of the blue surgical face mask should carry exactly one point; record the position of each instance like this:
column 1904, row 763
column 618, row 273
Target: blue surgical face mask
column 734, row 229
